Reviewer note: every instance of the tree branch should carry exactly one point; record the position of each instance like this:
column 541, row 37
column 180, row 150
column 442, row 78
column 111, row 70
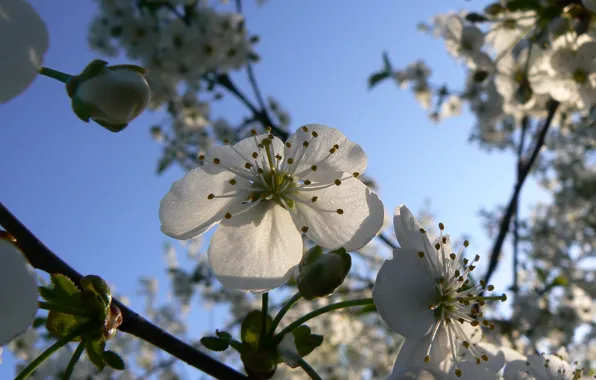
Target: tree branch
column 523, row 175
column 520, row 165
column 43, row 258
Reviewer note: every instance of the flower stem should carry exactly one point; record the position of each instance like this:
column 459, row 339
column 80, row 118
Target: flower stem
column 62, row 309
column 323, row 310
column 73, row 361
column 308, row 369
column 264, row 317
column 47, row 353
column 55, row 74
column 295, row 298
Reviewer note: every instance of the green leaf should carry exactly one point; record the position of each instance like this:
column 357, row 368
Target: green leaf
column 375, row 78
column 114, row 360
column 61, row 325
column 63, row 286
column 223, row 334
column 250, row 331
column 95, row 352
column 98, row 286
column 386, row 63
column 305, row 341
column 47, row 294
column 214, row 343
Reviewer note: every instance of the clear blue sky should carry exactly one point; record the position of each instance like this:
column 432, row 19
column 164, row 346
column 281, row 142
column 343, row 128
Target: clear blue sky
column 93, row 196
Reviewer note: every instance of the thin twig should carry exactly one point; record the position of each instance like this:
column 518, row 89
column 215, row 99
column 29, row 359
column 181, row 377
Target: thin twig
column 43, row 258
column 520, row 164
column 506, row 220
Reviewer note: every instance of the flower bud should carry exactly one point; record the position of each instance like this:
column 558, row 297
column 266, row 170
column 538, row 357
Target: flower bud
column 320, row 274
column 112, row 96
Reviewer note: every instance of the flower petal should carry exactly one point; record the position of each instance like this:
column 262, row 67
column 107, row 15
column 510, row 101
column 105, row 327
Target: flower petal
column 411, row 357
column 186, row 211
column 348, row 158
column 402, row 293
column 407, row 230
column 18, row 299
column 237, row 156
column 257, row 250
column 23, row 41
column 348, row 215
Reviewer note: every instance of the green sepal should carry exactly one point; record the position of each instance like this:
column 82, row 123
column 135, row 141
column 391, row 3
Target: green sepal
column 323, row 273
column 111, row 127
column 95, row 351
column 250, row 330
column 141, row 70
column 93, row 69
column 80, row 109
column 114, row 360
column 305, row 341
column 310, row 256
column 214, row 343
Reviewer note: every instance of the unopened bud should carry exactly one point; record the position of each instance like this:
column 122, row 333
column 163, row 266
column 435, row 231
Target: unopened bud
column 113, row 321
column 112, row 96
column 524, row 92
column 320, row 274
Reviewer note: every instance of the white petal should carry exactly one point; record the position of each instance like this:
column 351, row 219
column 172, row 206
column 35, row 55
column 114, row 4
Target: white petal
column 241, row 153
column 407, row 230
column 473, row 371
column 402, row 293
column 349, row 158
column 361, row 218
column 257, row 250
column 18, row 298
column 412, row 353
column 23, row 42
column 186, row 211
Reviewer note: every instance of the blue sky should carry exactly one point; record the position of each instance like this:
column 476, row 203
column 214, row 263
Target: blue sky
column 93, row 196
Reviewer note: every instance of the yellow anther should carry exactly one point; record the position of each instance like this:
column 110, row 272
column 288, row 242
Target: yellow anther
column 427, row 359
column 441, row 226
column 305, row 144
column 314, row 199
column 304, row 229
column 356, row 174
column 248, row 165
column 255, row 155
column 452, row 257
column 340, row 211
column 232, row 181
column 305, row 129
column 210, row 196
column 313, row 168
column 437, row 246
column 228, row 215
column 307, row 182
column 216, row 161
column 337, row 182
column 466, row 243
column 421, row 254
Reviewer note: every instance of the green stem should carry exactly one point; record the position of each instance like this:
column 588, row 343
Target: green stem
column 264, row 318
column 323, row 310
column 308, row 369
column 63, row 309
column 73, row 361
column 55, row 74
column 47, row 353
column 295, row 298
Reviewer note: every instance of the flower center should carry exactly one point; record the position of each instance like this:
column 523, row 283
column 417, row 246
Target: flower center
column 580, row 76
column 457, row 299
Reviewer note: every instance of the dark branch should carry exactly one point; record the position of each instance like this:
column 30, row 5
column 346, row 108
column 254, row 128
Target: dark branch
column 43, row 258
column 523, row 175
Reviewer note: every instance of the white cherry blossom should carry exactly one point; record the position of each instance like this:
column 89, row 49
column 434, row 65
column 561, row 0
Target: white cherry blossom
column 424, row 293
column 18, row 298
column 264, row 193
column 24, row 41
column 537, row 367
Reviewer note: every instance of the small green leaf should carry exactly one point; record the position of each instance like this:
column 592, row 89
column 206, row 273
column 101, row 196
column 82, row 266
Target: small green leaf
column 386, row 63
column 97, row 285
column 61, row 325
column 80, row 109
column 95, row 352
column 250, row 331
column 223, row 334
column 114, row 360
column 63, row 286
column 305, row 341
column 214, row 343
column 47, row 294
column 375, row 78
